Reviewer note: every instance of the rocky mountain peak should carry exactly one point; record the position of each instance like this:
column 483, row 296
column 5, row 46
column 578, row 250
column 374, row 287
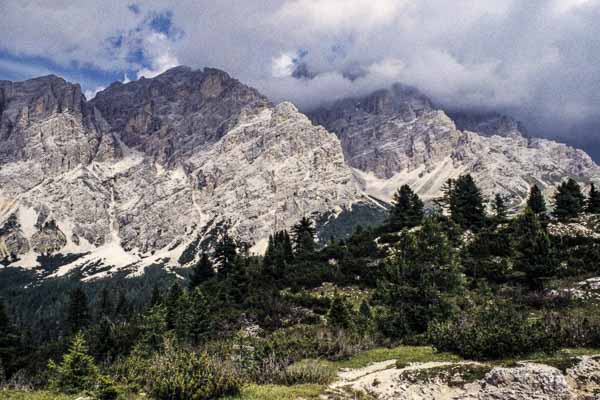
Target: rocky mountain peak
column 488, row 123
column 169, row 116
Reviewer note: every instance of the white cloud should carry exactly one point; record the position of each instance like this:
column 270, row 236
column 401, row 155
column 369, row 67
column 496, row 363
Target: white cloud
column 90, row 94
column 159, row 54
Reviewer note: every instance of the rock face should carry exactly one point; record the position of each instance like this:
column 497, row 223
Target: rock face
column 470, row 381
column 396, row 137
column 149, row 167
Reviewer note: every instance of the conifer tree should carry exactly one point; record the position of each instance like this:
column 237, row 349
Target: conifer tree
column 156, row 296
column 466, row 203
column 593, row 200
column 500, row 208
column 535, row 253
column 173, row 306
column 105, row 305
column 77, row 371
column 422, row 280
column 304, row 237
column 78, row 315
column 569, row 201
column 123, row 308
column 536, row 201
column 406, row 211
column 339, row 315
column 10, row 344
column 201, row 271
column 225, row 254
column 194, row 322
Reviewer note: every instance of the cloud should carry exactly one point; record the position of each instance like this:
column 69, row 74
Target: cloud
column 536, row 59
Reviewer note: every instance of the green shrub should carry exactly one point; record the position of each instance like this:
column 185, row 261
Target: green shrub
column 180, row 374
column 106, row 389
column 492, row 331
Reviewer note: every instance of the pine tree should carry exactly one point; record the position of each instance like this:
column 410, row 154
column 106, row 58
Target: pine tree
column 304, row 237
column 593, row 200
column 535, row 253
column 406, row 211
column 194, row 323
column 201, row 272
column 105, row 305
column 77, row 371
column 536, row 201
column 500, row 208
column 156, row 296
column 78, row 315
column 466, row 203
column 10, row 344
column 569, row 201
column 172, row 306
column 444, row 201
column 339, row 315
column 422, row 280
column 123, row 308
column 225, row 254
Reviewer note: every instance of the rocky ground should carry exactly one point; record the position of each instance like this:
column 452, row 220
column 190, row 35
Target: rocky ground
column 575, row 379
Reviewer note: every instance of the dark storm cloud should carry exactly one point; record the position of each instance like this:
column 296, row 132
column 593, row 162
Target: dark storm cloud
column 538, row 60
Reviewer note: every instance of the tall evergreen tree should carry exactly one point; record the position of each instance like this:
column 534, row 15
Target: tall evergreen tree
column 105, row 304
column 201, row 272
column 569, row 201
column 593, row 200
column 466, row 203
column 536, row 201
column 339, row 315
column 77, row 371
column 535, row 254
column 123, row 308
column 225, row 254
column 173, row 305
column 406, row 211
column 500, row 208
column 194, row 322
column 304, row 237
column 422, row 280
column 156, row 296
column 78, row 315
column 10, row 344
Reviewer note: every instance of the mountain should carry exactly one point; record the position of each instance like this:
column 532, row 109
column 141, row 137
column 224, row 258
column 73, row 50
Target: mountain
column 397, row 136
column 153, row 169
column 150, row 172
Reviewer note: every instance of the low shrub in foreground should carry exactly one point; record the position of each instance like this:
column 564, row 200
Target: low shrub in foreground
column 181, row 374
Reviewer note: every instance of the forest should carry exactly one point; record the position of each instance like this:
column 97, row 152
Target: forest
column 467, row 276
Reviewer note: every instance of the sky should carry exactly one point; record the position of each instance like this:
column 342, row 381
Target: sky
column 537, row 60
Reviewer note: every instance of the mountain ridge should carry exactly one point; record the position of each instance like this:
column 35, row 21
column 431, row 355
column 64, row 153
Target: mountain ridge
column 153, row 168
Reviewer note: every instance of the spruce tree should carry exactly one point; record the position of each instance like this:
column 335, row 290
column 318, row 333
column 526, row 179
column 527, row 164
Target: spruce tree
column 201, row 272
column 172, row 306
column 500, row 208
column 77, row 371
column 569, row 201
column 406, row 211
column 466, row 203
column 78, row 315
column 593, row 200
column 536, row 201
column 123, row 308
column 339, row 315
column 10, row 344
column 156, row 296
column 304, row 237
column 195, row 322
column 105, row 305
column 422, row 280
column 225, row 254
column 535, row 255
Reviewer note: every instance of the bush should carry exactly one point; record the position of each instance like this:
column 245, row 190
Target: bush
column 179, row 374
column 492, row 331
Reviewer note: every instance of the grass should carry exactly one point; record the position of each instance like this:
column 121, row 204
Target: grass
column 23, row 395
column 277, row 392
column 403, row 355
